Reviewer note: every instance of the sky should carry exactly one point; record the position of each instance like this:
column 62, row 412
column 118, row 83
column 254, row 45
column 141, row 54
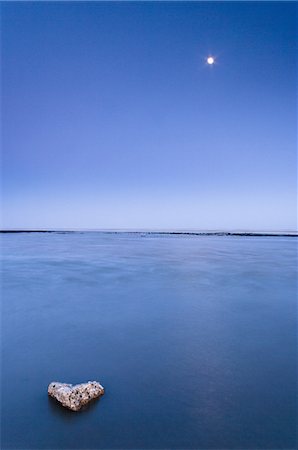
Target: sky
column 111, row 118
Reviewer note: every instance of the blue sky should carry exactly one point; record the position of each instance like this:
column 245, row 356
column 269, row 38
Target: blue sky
column 112, row 119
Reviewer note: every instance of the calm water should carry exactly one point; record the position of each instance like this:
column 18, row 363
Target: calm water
column 194, row 339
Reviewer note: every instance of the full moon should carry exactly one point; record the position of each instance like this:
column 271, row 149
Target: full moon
column 210, row 60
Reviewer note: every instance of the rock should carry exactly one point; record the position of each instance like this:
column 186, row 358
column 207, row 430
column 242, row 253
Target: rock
column 75, row 396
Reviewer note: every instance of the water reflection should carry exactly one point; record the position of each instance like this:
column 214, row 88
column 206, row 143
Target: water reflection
column 66, row 414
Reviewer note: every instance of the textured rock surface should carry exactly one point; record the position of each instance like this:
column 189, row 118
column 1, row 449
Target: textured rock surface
column 77, row 395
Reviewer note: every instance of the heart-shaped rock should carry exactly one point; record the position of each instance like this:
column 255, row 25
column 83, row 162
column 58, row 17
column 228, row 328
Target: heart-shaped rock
column 75, row 396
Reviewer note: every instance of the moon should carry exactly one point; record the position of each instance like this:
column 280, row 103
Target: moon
column 210, row 60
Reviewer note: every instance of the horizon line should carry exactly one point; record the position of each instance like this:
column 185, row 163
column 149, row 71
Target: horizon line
column 163, row 232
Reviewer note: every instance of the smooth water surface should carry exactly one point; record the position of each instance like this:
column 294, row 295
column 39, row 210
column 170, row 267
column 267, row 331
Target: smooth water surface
column 193, row 337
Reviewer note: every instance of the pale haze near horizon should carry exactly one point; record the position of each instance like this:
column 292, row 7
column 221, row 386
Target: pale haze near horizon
column 111, row 118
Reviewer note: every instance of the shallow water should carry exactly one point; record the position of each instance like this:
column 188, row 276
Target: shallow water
column 193, row 337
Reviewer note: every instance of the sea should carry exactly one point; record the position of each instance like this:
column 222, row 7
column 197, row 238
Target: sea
column 194, row 338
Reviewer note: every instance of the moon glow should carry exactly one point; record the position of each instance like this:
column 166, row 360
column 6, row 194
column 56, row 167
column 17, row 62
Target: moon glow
column 210, row 60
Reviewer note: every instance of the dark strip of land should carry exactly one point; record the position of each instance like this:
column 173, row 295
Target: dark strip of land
column 170, row 233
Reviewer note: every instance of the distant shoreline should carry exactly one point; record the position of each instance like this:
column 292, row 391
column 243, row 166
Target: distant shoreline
column 170, row 233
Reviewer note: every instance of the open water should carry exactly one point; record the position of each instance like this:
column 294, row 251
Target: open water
column 193, row 338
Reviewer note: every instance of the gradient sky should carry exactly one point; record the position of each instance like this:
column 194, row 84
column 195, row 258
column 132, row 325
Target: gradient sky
column 112, row 119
